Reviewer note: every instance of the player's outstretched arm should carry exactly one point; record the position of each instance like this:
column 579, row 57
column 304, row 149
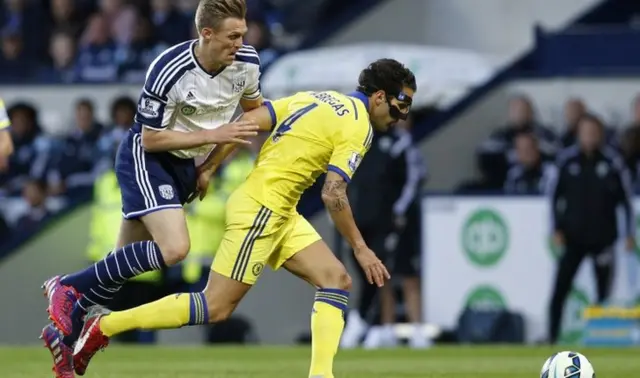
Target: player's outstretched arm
column 259, row 116
column 169, row 140
column 334, row 196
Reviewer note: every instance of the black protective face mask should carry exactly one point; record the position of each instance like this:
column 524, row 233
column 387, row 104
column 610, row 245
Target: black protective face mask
column 402, row 110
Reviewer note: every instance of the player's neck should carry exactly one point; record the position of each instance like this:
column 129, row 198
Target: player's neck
column 209, row 63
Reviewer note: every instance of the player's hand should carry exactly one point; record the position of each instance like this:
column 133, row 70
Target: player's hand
column 203, row 183
column 235, row 132
column 373, row 268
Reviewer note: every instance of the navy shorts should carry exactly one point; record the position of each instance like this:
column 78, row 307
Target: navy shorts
column 151, row 181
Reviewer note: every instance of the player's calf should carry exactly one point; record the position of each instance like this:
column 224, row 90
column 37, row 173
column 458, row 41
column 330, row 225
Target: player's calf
column 223, row 295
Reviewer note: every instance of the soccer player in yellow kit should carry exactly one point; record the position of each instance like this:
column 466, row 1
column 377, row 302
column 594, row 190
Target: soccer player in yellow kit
column 313, row 133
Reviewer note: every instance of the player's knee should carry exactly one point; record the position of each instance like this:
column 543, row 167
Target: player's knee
column 335, row 278
column 175, row 250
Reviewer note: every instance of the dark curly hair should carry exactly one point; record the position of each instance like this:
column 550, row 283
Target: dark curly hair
column 388, row 75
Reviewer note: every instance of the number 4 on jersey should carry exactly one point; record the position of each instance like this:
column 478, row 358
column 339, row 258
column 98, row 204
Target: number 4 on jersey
column 288, row 122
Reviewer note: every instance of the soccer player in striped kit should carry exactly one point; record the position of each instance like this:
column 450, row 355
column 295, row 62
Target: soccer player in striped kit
column 190, row 95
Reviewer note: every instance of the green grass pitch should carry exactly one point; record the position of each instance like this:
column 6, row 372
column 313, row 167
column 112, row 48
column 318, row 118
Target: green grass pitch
column 276, row 362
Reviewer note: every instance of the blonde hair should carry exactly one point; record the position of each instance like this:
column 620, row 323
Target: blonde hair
column 211, row 13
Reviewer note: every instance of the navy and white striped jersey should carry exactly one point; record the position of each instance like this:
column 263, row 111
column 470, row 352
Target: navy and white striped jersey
column 180, row 95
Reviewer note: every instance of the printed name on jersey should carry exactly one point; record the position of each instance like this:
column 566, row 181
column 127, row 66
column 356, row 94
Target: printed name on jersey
column 354, row 161
column 337, row 105
column 149, row 107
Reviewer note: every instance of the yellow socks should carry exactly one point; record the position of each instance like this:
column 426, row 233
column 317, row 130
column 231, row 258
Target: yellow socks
column 327, row 323
column 173, row 311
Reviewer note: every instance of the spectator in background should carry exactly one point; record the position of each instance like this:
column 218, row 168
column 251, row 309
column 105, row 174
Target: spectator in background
column 62, row 51
column 121, row 20
column 530, row 172
column 259, row 37
column 171, row 25
column 123, row 111
column 24, row 18
column 65, row 15
column 574, row 110
column 404, row 178
column 590, row 184
column 34, row 193
column 96, row 53
column 395, row 168
column 32, row 149
column 14, row 65
column 496, row 154
column 143, row 49
column 187, row 7
column 75, row 168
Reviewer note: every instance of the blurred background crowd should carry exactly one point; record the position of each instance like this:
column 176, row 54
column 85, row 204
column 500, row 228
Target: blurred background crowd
column 66, row 41
column 516, row 158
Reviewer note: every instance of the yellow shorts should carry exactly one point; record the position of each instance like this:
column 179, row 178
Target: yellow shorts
column 255, row 236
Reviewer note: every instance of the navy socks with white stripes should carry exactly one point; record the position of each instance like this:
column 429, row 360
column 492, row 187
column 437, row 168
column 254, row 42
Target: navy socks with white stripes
column 99, row 282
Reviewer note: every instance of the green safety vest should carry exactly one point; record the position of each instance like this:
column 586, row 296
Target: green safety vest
column 106, row 216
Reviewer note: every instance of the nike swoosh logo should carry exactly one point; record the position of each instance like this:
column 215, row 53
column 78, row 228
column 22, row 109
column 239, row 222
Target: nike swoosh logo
column 84, row 337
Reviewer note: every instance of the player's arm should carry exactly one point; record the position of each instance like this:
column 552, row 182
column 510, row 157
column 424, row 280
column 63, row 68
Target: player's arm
column 334, row 196
column 155, row 112
column 249, row 105
column 350, row 144
column 350, row 147
column 6, row 143
column 264, row 116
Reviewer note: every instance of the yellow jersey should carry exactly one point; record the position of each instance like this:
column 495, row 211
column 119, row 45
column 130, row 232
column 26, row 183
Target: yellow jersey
column 4, row 117
column 313, row 132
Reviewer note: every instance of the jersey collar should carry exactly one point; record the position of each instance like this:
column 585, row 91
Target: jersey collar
column 362, row 97
column 195, row 60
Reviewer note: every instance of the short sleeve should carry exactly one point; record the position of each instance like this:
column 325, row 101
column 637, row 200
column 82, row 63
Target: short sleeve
column 154, row 113
column 248, row 55
column 252, row 91
column 349, row 150
column 4, row 117
column 158, row 98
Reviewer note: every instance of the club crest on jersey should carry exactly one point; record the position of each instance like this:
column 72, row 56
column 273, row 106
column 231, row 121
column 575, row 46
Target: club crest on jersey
column 188, row 110
column 354, row 161
column 149, row 107
column 238, row 84
column 166, row 191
